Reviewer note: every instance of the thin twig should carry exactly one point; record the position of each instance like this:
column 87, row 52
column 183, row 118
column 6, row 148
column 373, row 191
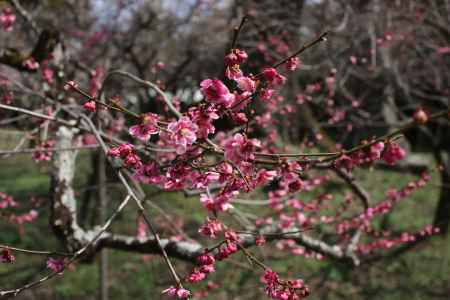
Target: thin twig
column 139, row 204
column 75, row 256
column 23, row 151
column 147, row 84
column 38, row 115
column 237, row 30
column 37, row 252
column 16, row 4
column 362, row 194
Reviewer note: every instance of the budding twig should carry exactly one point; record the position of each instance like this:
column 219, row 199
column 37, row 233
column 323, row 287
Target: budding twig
column 237, row 30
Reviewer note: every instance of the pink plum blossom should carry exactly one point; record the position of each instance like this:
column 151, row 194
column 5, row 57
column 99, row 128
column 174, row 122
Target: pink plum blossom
column 182, row 134
column 393, row 153
column 31, row 64
column 239, row 148
column 292, row 63
column 204, row 117
column 90, row 106
column 211, row 227
column 180, row 293
column 48, row 74
column 233, row 72
column 7, row 19
column 273, row 77
column 235, row 57
column 56, row 265
column 216, row 92
column 146, row 128
column 6, row 256
column 246, row 84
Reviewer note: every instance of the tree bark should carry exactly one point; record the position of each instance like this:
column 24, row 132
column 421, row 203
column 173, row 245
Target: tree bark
column 442, row 214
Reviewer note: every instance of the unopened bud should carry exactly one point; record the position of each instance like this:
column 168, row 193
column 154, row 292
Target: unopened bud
column 420, row 116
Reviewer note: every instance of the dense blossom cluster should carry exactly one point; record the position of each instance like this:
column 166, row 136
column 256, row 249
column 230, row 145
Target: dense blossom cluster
column 284, row 290
column 239, row 149
column 42, row 153
column 56, row 265
column 238, row 170
column 389, row 152
column 127, row 153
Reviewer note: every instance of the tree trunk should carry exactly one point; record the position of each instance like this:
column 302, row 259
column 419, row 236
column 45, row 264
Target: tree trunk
column 442, row 214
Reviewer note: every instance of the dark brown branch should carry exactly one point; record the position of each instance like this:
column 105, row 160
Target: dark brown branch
column 362, row 194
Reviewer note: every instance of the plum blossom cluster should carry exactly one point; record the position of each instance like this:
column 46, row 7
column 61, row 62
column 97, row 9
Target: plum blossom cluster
column 7, row 201
column 230, row 245
column 233, row 60
column 56, row 265
column 147, row 127
column 217, row 93
column 363, row 221
column 174, row 177
column 127, row 153
column 387, row 242
column 272, row 77
column 7, row 19
column 177, row 292
column 206, row 260
column 283, row 289
column 211, row 227
column 10, row 214
column 203, row 117
column 182, row 134
column 6, row 256
column 94, row 86
column 194, row 159
column 90, row 106
column 393, row 153
column 389, row 152
column 20, row 219
column 205, row 266
column 239, row 149
column 31, row 64
column 190, row 154
column 43, row 152
column 292, row 247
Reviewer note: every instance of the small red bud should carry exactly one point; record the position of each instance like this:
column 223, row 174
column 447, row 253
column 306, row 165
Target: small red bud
column 420, row 116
